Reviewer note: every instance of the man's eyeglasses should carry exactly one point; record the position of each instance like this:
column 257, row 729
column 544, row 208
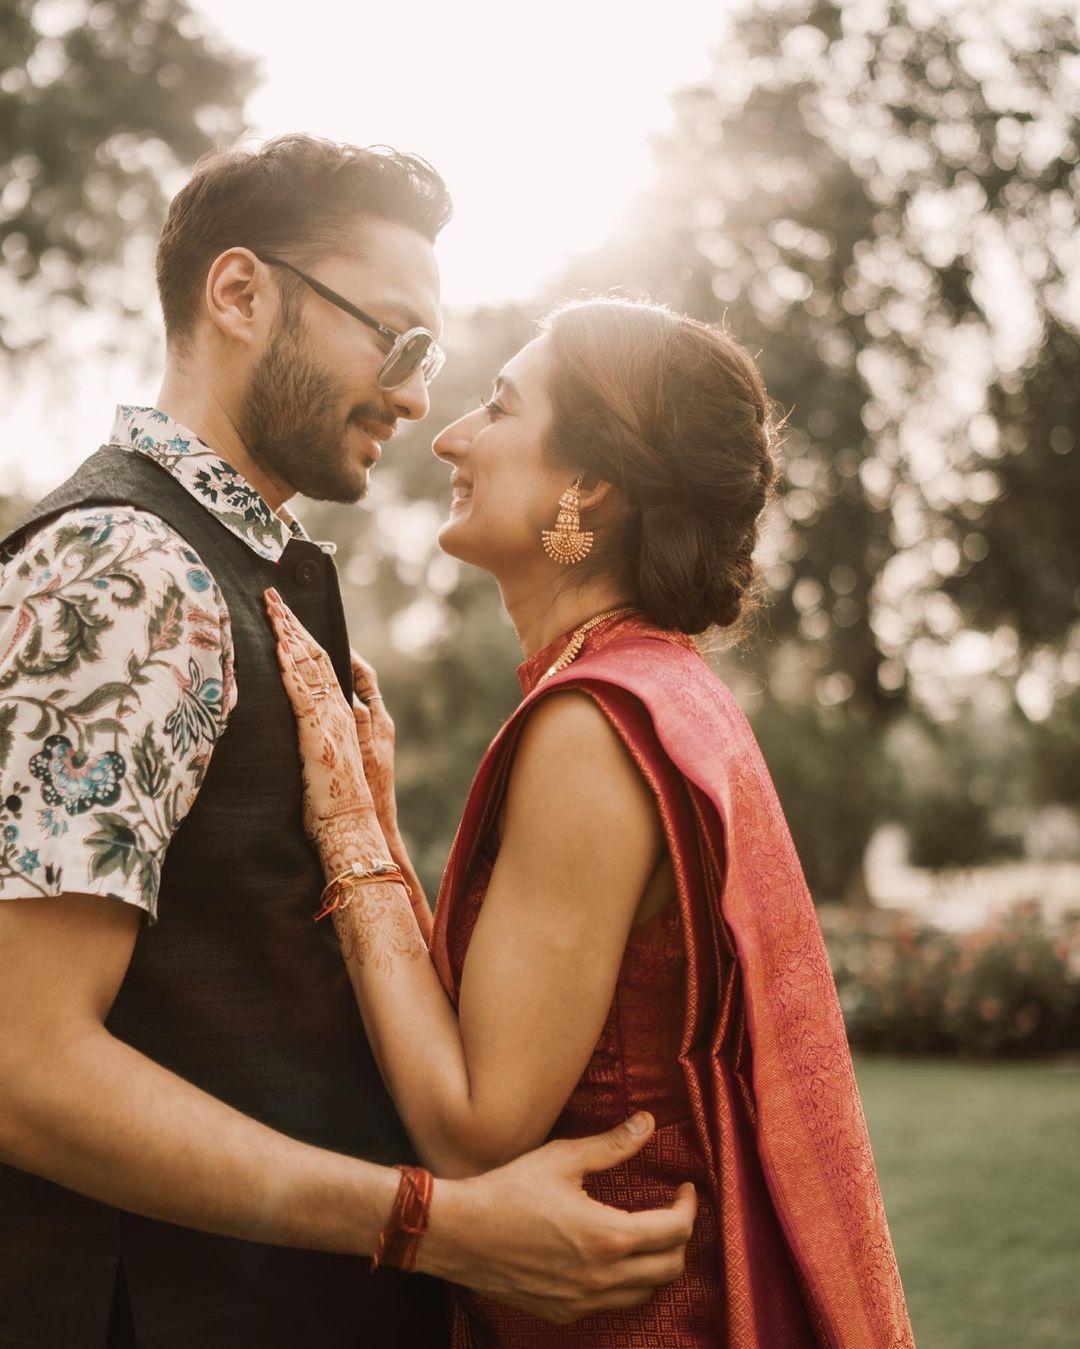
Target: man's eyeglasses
column 416, row 349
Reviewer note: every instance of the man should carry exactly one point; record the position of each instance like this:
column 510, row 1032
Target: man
column 187, row 1088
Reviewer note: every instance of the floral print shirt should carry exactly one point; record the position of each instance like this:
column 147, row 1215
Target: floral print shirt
column 116, row 677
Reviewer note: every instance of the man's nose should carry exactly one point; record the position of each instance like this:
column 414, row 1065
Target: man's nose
column 411, row 399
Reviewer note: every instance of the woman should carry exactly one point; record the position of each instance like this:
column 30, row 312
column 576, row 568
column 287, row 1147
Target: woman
column 623, row 922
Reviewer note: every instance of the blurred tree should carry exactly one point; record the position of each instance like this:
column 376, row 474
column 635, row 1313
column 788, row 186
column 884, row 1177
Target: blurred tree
column 99, row 102
column 1057, row 753
column 881, row 199
column 1021, row 547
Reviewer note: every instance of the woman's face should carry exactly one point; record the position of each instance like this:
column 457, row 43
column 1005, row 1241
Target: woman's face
column 504, row 490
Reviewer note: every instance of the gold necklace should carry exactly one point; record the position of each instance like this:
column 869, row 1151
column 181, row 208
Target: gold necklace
column 577, row 640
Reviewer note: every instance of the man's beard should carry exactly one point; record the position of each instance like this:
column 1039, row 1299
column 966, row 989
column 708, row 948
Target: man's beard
column 290, row 421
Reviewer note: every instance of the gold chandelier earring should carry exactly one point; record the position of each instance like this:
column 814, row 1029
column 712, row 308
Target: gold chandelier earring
column 568, row 543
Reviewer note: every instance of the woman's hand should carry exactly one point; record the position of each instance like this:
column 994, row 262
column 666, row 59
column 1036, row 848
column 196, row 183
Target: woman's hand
column 375, row 732
column 339, row 813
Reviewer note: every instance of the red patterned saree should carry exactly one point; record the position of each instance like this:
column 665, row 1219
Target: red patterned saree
column 753, row 1089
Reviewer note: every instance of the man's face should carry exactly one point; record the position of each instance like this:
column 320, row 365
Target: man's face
column 312, row 413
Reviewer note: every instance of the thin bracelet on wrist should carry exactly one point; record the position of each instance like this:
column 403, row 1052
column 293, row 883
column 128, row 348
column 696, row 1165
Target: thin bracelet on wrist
column 340, row 890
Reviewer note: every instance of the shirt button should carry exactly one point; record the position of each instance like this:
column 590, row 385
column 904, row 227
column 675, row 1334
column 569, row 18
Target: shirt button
column 307, row 571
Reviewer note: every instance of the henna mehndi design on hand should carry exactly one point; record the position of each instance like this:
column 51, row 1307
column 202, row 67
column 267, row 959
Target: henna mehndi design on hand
column 377, row 927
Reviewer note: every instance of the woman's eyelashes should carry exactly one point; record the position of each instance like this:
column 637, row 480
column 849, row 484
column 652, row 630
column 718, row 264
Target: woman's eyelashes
column 492, row 408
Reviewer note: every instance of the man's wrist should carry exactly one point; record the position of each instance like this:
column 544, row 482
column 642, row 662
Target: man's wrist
column 350, row 1214
column 444, row 1250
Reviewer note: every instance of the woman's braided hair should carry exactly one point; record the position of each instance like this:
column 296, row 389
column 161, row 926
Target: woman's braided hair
column 674, row 413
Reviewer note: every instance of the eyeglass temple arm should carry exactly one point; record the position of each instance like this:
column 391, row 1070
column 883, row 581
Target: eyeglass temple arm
column 332, row 296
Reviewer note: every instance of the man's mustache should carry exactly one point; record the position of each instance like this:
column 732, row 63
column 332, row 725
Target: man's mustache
column 367, row 412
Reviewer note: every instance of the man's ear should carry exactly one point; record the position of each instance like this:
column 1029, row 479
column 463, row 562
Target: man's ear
column 239, row 295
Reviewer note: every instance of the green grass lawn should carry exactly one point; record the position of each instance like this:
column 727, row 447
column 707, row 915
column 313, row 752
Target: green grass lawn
column 980, row 1168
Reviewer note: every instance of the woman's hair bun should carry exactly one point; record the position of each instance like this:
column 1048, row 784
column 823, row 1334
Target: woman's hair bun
column 674, row 413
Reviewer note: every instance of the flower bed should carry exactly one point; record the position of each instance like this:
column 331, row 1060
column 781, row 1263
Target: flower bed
column 1011, row 987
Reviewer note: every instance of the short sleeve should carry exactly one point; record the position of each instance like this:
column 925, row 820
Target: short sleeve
column 116, row 681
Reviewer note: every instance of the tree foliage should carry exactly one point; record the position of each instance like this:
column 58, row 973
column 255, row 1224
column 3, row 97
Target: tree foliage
column 880, row 199
column 871, row 195
column 99, row 104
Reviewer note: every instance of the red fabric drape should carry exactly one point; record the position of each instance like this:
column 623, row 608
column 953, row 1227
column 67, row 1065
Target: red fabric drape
column 764, row 1051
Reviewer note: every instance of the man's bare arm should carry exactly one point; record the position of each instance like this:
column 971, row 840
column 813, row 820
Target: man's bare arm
column 89, row 1112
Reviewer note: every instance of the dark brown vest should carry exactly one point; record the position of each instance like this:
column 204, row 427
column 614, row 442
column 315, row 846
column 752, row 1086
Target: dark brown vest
column 238, row 991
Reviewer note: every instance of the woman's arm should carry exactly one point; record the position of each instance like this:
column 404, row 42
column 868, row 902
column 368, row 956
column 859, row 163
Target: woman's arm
column 580, row 839
column 581, row 836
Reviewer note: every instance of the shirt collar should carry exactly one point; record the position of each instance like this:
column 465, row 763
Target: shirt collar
column 215, row 484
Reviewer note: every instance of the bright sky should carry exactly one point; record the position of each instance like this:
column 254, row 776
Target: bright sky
column 539, row 119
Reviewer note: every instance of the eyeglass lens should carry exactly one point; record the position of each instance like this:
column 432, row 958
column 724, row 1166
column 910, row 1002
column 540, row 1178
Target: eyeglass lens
column 416, row 353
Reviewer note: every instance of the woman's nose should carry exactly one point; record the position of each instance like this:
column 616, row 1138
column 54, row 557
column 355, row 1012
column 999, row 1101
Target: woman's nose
column 453, row 440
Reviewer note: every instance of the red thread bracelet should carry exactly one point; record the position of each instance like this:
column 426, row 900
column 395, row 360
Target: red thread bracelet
column 399, row 1241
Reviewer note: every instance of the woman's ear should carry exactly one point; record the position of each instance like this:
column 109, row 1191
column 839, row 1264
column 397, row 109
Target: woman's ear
column 596, row 492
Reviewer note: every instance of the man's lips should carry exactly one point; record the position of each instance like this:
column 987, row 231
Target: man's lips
column 373, row 433
column 377, row 430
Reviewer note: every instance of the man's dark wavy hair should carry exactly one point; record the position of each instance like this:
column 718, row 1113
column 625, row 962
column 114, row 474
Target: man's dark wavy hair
column 297, row 195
